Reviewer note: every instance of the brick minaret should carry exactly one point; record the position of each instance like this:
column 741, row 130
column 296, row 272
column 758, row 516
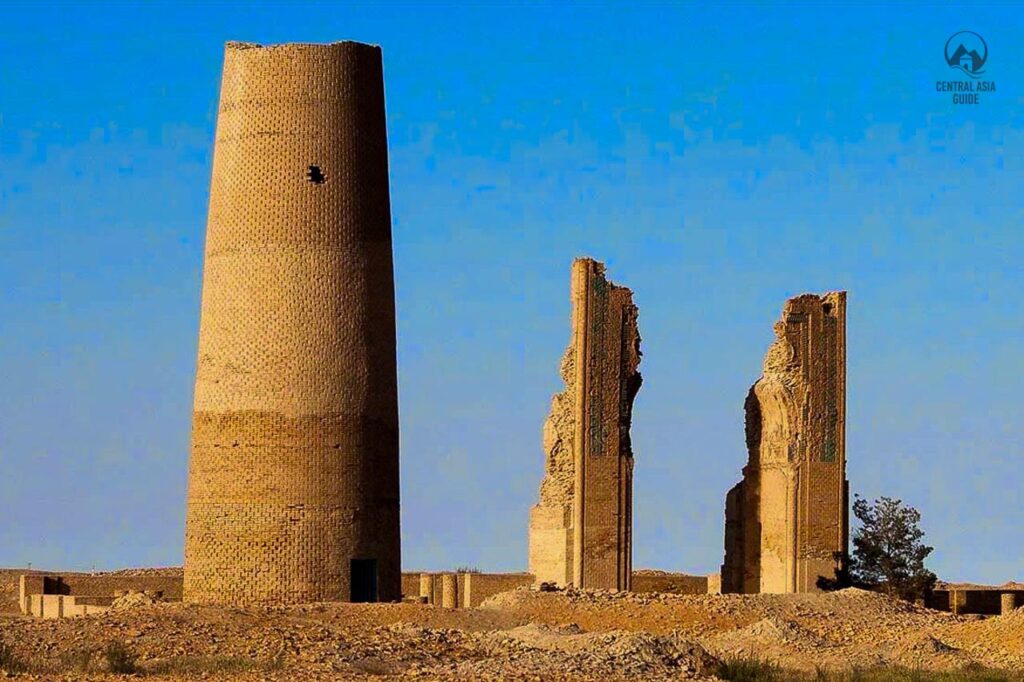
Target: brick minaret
column 293, row 478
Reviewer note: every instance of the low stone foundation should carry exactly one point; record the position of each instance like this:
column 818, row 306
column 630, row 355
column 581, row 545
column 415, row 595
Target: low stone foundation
column 48, row 595
column 985, row 602
column 65, row 606
column 459, row 590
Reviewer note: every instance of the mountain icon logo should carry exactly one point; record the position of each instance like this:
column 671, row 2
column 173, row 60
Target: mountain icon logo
column 968, row 52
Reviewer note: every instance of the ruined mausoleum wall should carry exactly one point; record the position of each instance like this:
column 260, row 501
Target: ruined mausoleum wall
column 786, row 524
column 581, row 527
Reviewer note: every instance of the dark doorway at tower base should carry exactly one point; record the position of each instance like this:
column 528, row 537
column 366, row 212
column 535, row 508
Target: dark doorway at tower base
column 364, row 580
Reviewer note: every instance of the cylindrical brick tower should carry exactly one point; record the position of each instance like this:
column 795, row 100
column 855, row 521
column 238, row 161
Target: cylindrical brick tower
column 293, row 478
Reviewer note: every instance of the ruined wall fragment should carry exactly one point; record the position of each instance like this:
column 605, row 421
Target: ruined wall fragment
column 733, row 568
column 786, row 521
column 581, row 527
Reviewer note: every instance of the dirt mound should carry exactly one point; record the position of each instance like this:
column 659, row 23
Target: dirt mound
column 837, row 630
column 525, row 634
column 538, row 649
column 999, row 639
column 926, row 651
column 769, row 632
column 509, row 600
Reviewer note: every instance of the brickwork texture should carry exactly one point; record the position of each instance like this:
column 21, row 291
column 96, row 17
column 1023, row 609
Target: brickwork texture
column 787, row 521
column 293, row 475
column 581, row 527
column 671, row 583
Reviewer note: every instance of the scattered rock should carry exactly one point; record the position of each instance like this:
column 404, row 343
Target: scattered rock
column 132, row 599
column 520, row 635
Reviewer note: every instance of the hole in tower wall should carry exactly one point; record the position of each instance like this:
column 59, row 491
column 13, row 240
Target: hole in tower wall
column 826, row 308
column 315, row 175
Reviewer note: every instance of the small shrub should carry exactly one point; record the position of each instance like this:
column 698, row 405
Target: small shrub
column 81, row 661
column 119, row 658
column 9, row 661
column 749, row 670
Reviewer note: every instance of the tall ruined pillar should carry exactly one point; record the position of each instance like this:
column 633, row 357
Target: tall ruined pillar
column 293, row 477
column 427, row 587
column 449, row 590
column 786, row 521
column 581, row 529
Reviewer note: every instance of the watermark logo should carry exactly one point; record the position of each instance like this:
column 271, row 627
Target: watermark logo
column 968, row 52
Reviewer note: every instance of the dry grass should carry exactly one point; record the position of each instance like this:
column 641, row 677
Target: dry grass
column 197, row 665
column 758, row 670
column 117, row 658
column 9, row 661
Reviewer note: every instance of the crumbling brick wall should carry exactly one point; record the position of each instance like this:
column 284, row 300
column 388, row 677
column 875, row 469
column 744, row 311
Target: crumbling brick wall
column 989, row 601
column 669, row 583
column 165, row 583
column 169, row 586
column 293, row 476
column 581, row 527
column 480, row 586
column 786, row 521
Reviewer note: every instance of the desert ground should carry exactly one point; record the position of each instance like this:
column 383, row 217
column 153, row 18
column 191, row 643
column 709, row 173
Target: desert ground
column 519, row 635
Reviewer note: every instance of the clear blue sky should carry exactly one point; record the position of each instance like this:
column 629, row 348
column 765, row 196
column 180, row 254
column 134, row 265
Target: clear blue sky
column 718, row 159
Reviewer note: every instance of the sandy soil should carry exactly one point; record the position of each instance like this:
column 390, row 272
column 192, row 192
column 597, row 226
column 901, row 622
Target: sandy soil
column 573, row 635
